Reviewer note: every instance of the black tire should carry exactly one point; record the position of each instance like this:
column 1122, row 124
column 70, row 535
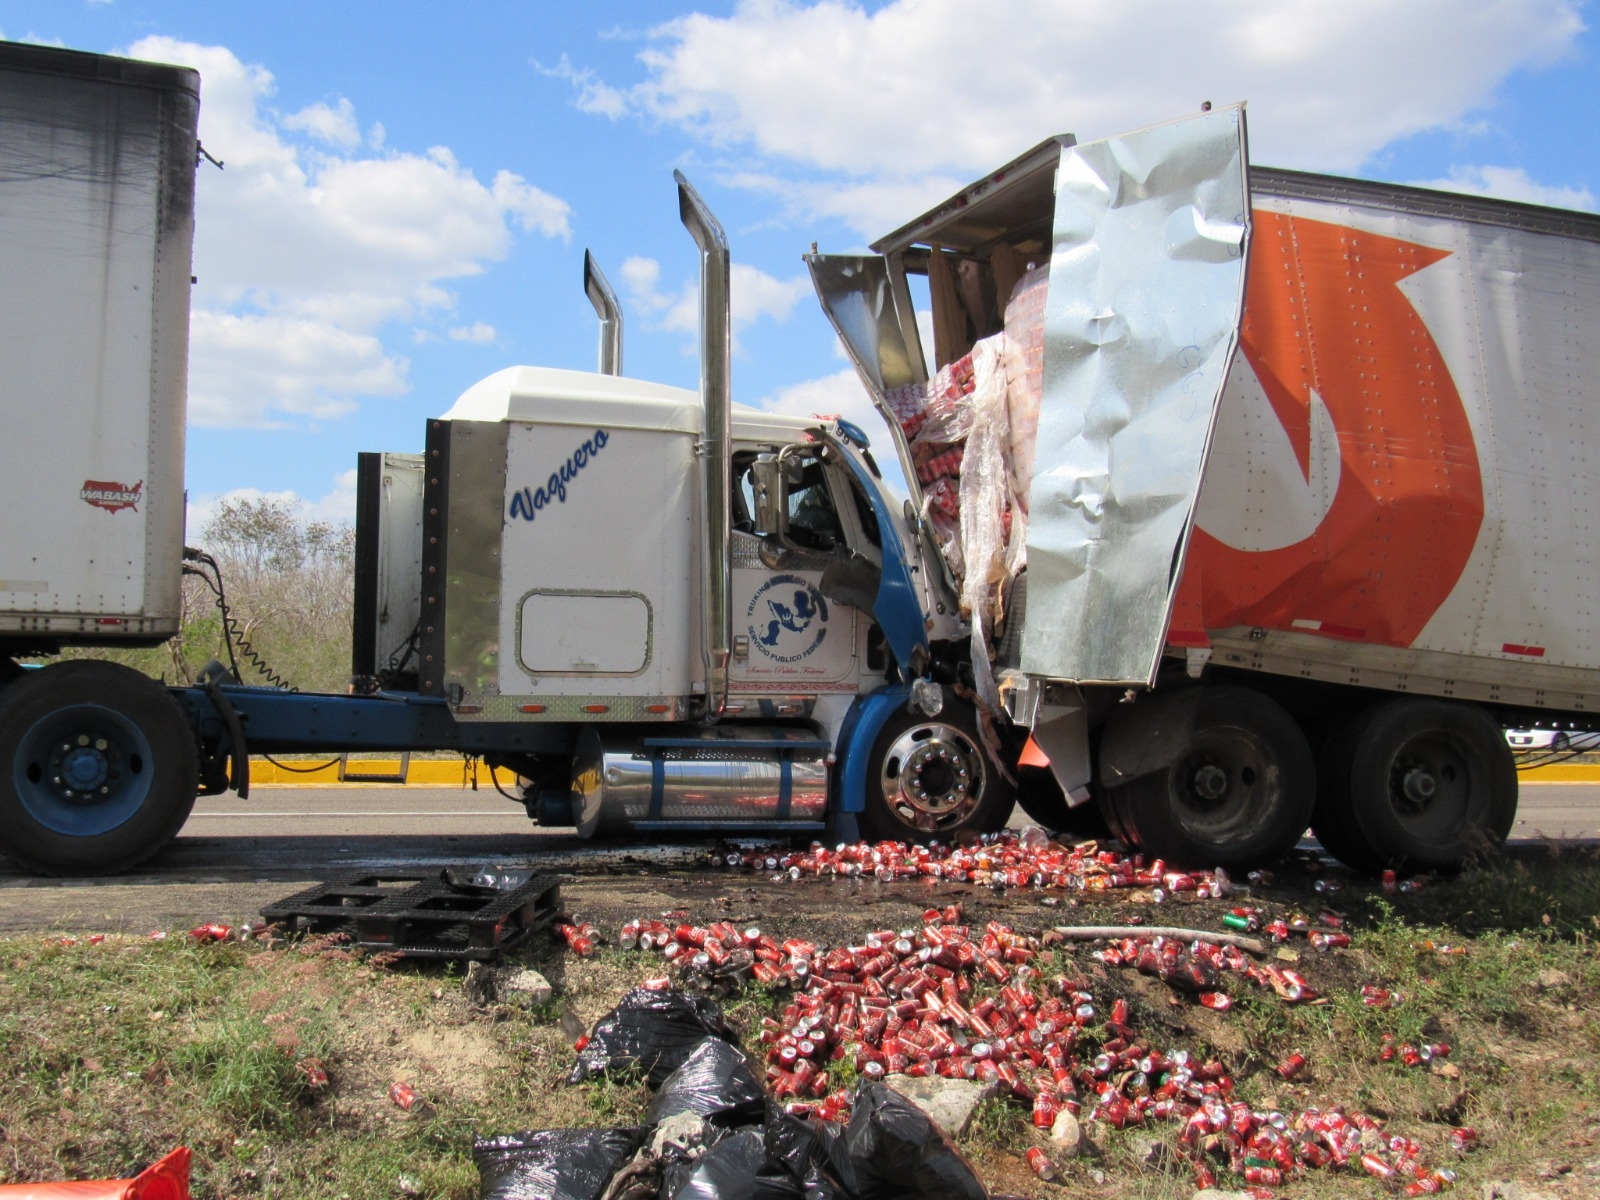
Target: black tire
column 1331, row 821
column 932, row 777
column 1041, row 797
column 98, row 768
column 1237, row 794
column 1424, row 785
column 1561, row 742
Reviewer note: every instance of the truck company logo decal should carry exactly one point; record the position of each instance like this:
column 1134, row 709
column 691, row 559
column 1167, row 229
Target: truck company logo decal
column 527, row 502
column 1367, row 528
column 787, row 619
column 113, row 497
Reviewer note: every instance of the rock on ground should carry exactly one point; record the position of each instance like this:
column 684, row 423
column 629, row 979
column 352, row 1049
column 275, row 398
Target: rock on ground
column 1066, row 1136
column 948, row 1103
column 526, row 987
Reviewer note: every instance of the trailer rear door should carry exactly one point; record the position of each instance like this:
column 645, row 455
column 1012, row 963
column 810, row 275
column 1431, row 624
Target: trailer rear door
column 1146, row 293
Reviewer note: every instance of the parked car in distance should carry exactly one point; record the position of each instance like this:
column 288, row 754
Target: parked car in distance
column 1553, row 739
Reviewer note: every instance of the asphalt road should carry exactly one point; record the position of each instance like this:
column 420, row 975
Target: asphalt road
column 236, row 855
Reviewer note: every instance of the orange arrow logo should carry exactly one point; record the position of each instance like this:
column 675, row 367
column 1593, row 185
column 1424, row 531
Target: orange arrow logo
column 1377, row 430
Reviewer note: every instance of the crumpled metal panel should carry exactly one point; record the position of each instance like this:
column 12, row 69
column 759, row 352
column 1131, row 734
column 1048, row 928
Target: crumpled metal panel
column 1146, row 291
column 858, row 294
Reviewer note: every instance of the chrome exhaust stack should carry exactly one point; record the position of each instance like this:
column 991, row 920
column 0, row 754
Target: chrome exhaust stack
column 609, row 311
column 717, row 463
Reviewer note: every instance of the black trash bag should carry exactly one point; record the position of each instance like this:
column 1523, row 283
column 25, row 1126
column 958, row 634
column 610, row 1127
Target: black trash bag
column 899, row 1154
column 552, row 1164
column 714, row 1082
column 812, row 1151
column 650, row 1031
column 736, row 1168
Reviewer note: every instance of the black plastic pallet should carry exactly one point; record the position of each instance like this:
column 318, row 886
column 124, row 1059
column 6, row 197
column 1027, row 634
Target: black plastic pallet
column 422, row 916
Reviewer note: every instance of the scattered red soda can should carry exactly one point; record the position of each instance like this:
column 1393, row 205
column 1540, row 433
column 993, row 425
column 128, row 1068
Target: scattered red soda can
column 316, row 1074
column 1220, row 1001
column 580, row 939
column 1041, row 1164
column 403, row 1094
column 1291, row 1066
column 1464, row 1139
column 212, row 932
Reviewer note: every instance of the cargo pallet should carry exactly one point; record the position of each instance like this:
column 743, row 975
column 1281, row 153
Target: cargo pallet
column 421, row 916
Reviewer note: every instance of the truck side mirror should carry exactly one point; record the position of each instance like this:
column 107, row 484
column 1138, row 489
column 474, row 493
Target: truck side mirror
column 771, row 495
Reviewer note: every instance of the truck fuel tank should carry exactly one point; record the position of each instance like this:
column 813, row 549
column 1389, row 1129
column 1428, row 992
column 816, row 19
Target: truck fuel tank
column 725, row 778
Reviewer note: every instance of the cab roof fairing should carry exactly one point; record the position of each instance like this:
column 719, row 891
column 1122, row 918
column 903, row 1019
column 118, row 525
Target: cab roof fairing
column 553, row 396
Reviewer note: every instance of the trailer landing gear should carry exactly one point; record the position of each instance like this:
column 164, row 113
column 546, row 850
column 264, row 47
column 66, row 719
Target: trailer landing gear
column 97, row 768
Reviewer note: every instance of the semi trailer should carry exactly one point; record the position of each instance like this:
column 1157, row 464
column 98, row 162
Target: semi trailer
column 1254, row 527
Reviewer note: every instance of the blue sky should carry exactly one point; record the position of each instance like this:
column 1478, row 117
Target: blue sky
column 410, row 187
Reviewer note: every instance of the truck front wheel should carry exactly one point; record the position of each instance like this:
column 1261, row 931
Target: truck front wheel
column 97, row 768
column 932, row 777
column 1416, row 784
column 1237, row 793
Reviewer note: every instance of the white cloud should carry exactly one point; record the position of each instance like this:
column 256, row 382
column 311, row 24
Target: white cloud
column 335, row 126
column 479, row 333
column 594, row 96
column 753, row 295
column 913, row 88
column 337, row 506
column 306, row 249
column 1512, row 183
column 254, row 369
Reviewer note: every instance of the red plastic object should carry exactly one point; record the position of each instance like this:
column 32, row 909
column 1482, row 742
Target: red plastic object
column 167, row 1179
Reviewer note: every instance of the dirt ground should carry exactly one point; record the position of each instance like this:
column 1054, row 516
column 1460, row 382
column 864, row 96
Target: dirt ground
column 1546, row 1040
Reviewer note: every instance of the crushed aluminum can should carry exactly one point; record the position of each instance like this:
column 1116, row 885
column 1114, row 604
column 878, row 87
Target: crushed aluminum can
column 403, row 1094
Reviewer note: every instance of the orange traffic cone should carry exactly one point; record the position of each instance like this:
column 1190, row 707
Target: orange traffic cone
column 164, row 1180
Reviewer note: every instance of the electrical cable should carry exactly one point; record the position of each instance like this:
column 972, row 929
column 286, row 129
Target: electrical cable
column 283, row 766
column 494, row 778
column 233, row 634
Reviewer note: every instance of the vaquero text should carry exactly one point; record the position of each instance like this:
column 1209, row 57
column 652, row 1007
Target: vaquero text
column 527, row 502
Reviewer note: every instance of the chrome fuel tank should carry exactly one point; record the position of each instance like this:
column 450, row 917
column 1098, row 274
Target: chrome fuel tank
column 723, row 778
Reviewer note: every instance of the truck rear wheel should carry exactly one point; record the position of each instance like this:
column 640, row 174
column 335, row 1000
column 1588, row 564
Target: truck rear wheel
column 932, row 777
column 1416, row 784
column 98, row 769
column 1237, row 794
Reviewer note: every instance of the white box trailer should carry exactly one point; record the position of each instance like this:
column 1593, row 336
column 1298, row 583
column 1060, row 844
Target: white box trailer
column 1311, row 469
column 97, row 161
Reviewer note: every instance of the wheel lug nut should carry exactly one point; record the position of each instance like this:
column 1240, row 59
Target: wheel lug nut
column 100, row 744
column 83, row 739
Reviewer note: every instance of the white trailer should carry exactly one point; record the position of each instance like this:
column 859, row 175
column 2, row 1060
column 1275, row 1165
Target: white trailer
column 1311, row 469
column 97, row 172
